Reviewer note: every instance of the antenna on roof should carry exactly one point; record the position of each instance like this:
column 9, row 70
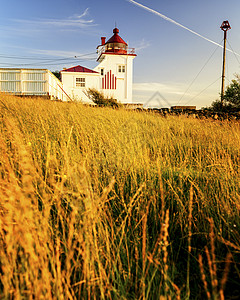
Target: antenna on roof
column 115, row 24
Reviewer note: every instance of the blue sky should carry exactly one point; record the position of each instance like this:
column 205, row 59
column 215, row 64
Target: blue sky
column 50, row 33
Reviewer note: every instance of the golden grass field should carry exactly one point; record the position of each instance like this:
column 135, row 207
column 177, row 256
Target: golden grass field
column 97, row 203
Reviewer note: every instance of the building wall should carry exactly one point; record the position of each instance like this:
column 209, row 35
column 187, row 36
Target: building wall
column 74, row 88
column 55, row 88
column 119, row 84
column 36, row 82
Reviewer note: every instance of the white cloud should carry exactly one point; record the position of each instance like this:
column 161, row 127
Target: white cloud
column 75, row 21
column 85, row 13
column 156, row 94
column 170, row 88
column 143, row 44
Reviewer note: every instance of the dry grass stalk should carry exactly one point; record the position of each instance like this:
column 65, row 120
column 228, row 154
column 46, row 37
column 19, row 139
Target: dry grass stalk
column 144, row 248
column 203, row 277
column 225, row 276
column 164, row 249
column 213, row 269
column 230, row 244
column 189, row 238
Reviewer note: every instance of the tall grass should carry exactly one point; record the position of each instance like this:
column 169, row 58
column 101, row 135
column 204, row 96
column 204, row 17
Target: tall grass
column 113, row 204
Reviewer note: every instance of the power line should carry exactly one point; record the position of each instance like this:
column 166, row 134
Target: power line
column 176, row 23
column 198, row 74
column 235, row 54
column 57, row 62
column 49, row 62
column 202, row 91
column 45, row 59
column 45, row 64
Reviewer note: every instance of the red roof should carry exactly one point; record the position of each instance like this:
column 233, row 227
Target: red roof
column 116, row 38
column 79, row 69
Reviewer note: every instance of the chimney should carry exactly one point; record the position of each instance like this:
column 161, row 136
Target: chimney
column 103, row 39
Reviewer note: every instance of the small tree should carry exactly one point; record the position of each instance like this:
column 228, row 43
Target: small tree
column 232, row 93
column 231, row 98
column 99, row 98
column 57, row 74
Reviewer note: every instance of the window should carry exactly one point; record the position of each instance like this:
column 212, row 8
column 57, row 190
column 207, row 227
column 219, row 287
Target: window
column 80, row 82
column 121, row 69
column 102, row 72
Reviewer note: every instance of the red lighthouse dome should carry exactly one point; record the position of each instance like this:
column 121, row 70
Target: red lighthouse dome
column 116, row 44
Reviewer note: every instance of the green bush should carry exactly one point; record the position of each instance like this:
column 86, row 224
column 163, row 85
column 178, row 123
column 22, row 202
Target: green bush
column 231, row 98
column 100, row 99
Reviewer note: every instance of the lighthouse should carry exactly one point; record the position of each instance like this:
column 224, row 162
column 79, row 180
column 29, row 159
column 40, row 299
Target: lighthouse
column 115, row 67
column 113, row 76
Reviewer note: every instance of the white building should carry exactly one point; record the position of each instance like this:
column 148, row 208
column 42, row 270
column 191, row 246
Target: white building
column 113, row 75
column 77, row 80
column 32, row 82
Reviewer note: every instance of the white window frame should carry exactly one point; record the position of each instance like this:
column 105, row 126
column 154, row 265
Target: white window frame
column 80, row 82
column 121, row 68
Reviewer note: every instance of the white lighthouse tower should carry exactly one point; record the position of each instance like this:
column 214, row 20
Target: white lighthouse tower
column 116, row 68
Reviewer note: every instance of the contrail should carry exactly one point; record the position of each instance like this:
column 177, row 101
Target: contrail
column 176, row 23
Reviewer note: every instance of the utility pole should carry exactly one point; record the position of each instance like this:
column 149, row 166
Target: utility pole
column 225, row 27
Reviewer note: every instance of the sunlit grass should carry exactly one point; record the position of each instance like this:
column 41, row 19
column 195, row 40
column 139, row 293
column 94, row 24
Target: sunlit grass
column 115, row 204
